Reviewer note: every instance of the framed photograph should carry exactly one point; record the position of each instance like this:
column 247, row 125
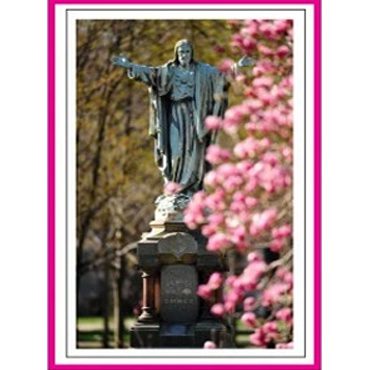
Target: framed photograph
column 184, row 184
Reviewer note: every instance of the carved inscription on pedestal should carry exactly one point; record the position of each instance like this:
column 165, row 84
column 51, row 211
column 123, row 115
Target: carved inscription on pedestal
column 179, row 300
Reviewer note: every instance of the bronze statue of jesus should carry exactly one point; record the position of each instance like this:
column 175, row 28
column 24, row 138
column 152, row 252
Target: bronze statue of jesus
column 183, row 92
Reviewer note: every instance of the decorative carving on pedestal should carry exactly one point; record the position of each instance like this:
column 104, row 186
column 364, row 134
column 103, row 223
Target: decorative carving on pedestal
column 179, row 300
column 177, row 247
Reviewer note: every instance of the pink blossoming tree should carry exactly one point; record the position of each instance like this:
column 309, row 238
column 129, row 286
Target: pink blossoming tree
column 246, row 204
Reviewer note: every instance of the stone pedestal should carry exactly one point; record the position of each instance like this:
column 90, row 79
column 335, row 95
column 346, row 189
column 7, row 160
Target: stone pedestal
column 174, row 261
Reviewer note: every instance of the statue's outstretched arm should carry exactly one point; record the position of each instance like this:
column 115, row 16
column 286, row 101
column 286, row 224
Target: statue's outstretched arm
column 136, row 71
column 245, row 61
column 122, row 61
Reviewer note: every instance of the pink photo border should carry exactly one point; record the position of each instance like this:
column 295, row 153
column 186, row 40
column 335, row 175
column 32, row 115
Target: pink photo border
column 51, row 190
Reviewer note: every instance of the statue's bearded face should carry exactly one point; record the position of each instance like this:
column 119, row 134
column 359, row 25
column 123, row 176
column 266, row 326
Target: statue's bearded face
column 184, row 54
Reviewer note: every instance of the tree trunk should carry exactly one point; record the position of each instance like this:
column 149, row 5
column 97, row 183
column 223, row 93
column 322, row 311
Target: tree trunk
column 118, row 304
column 106, row 305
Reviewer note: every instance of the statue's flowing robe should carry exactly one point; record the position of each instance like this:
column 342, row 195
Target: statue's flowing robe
column 181, row 137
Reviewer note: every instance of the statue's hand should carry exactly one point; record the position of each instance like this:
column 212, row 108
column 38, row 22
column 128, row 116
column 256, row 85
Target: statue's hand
column 121, row 61
column 245, row 62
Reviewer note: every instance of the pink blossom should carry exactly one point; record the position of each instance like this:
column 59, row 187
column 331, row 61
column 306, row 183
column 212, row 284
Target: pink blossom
column 284, row 345
column 238, row 237
column 282, row 25
column 227, row 169
column 281, row 272
column 271, row 178
column 230, row 280
column 209, row 229
column 270, row 329
column 257, row 169
column 287, row 82
column 213, row 123
column 268, row 98
column 253, row 106
column 276, row 245
column 232, row 183
column 249, row 44
column 240, row 78
column 285, row 314
column 242, row 245
column 211, row 179
column 215, row 280
column 285, row 276
column 232, row 296
column 290, row 34
column 216, row 219
column 251, row 28
column 204, row 291
column 189, row 221
column 263, row 81
column 264, row 143
column 217, row 242
column 238, row 286
column 209, row 345
column 263, row 66
column 249, row 303
column 251, row 185
column 217, row 155
column 265, row 50
column 248, row 148
column 199, row 197
column 233, row 117
column 243, row 167
column 258, row 267
column 239, row 196
column 226, row 65
column 252, row 274
column 282, row 51
column 287, row 180
column 268, row 29
column 258, row 338
column 251, row 202
column 229, row 306
column 273, row 293
column 172, row 188
column 244, row 32
column 270, row 158
column 283, row 231
column 254, row 257
column 218, row 309
column 288, row 279
column 280, row 92
column 238, row 214
column 276, row 116
column 216, row 200
column 249, row 319
column 194, row 213
column 237, row 40
column 262, row 221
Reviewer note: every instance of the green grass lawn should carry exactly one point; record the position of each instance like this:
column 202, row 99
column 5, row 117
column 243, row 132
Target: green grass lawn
column 242, row 337
column 90, row 331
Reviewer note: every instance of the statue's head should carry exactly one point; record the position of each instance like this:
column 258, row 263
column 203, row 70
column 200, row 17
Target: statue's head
column 184, row 52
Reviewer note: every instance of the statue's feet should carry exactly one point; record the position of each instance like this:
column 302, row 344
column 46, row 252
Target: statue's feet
column 171, row 207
